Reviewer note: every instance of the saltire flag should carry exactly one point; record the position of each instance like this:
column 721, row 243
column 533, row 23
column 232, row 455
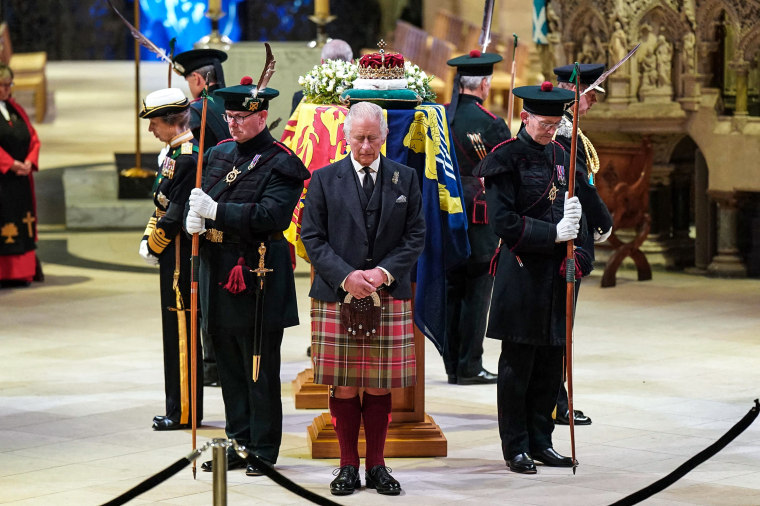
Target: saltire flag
column 419, row 138
column 540, row 25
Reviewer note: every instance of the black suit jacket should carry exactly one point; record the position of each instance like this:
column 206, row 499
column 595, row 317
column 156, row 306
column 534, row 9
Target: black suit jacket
column 334, row 233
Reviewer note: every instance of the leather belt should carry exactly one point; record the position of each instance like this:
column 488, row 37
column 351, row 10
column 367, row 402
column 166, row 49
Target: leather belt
column 217, row 236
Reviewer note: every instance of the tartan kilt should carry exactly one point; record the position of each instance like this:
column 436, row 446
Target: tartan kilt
column 385, row 360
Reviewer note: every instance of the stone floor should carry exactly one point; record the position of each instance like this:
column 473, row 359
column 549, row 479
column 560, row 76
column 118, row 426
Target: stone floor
column 664, row 368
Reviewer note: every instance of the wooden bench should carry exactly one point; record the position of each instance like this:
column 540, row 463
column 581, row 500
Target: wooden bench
column 28, row 72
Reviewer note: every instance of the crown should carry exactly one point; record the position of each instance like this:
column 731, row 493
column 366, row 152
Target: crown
column 381, row 65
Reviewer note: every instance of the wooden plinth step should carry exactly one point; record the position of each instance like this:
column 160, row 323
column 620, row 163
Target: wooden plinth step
column 405, row 439
column 307, row 394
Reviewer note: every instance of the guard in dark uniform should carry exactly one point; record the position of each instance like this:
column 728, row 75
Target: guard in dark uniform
column 251, row 184
column 526, row 181
column 475, row 131
column 595, row 212
column 195, row 65
column 165, row 243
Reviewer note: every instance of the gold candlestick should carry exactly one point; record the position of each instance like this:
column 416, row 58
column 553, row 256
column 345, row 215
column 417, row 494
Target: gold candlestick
column 214, row 39
column 321, row 20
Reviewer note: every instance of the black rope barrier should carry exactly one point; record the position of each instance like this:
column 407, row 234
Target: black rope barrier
column 693, row 462
column 286, row 483
column 154, row 480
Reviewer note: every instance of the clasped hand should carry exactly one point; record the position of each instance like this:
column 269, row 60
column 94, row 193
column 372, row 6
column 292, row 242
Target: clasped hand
column 361, row 284
column 21, row 168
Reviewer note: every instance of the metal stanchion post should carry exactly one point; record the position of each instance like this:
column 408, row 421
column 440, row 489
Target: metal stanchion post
column 219, row 468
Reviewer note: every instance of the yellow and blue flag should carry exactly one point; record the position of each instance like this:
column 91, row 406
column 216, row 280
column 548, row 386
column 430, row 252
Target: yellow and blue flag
column 421, row 139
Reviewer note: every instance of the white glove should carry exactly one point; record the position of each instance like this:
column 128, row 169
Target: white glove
column 568, row 226
column 194, row 224
column 146, row 255
column 202, row 204
column 572, row 208
column 602, row 237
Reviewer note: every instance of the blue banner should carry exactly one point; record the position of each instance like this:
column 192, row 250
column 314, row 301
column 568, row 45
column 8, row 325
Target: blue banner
column 184, row 19
column 421, row 139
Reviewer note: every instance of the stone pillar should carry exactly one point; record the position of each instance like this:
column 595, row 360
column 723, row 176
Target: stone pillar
column 705, row 235
column 727, row 262
column 741, row 68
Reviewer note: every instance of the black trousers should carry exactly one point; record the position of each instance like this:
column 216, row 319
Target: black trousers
column 253, row 410
column 468, row 295
column 176, row 370
column 529, row 378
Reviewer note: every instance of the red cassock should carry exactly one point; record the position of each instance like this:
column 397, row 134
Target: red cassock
column 18, row 209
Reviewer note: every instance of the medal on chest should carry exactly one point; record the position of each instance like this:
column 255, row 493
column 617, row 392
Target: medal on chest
column 168, row 168
column 234, row 173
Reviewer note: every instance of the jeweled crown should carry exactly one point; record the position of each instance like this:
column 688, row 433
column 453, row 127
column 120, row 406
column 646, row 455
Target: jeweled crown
column 381, row 65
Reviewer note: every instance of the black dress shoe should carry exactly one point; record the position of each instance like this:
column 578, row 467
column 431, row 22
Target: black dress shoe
column 579, row 418
column 234, row 461
column 251, row 470
column 549, row 457
column 522, row 463
column 482, row 378
column 380, row 479
column 165, row 423
column 346, row 482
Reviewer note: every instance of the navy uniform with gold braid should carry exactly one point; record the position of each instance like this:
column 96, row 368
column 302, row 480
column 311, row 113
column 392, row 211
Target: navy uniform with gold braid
column 525, row 187
column 468, row 286
column 164, row 233
column 256, row 184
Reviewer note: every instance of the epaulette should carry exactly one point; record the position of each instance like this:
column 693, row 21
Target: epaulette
column 224, row 140
column 502, row 143
column 486, row 110
column 186, row 148
column 284, row 147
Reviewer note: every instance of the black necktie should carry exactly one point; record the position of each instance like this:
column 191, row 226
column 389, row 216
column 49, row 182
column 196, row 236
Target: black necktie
column 368, row 184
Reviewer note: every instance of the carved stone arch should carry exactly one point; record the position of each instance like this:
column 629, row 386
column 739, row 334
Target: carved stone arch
column 708, row 12
column 585, row 16
column 749, row 45
column 672, row 22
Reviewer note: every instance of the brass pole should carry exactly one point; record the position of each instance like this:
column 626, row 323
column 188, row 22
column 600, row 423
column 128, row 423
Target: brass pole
column 219, row 471
column 138, row 158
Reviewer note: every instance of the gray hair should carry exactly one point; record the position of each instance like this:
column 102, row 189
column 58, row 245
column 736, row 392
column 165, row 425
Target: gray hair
column 365, row 110
column 472, row 82
column 180, row 119
column 337, row 49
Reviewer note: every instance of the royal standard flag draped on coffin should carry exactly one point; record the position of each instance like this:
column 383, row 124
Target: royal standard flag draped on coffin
column 419, row 138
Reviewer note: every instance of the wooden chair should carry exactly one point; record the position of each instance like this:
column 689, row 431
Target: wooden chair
column 623, row 183
column 449, row 27
column 440, row 51
column 411, row 42
column 28, row 72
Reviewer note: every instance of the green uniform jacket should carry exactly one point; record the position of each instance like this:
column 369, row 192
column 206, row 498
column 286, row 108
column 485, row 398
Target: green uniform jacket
column 472, row 117
column 254, row 208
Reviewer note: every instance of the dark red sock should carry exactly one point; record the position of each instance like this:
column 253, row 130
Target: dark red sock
column 376, row 411
column 347, row 418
